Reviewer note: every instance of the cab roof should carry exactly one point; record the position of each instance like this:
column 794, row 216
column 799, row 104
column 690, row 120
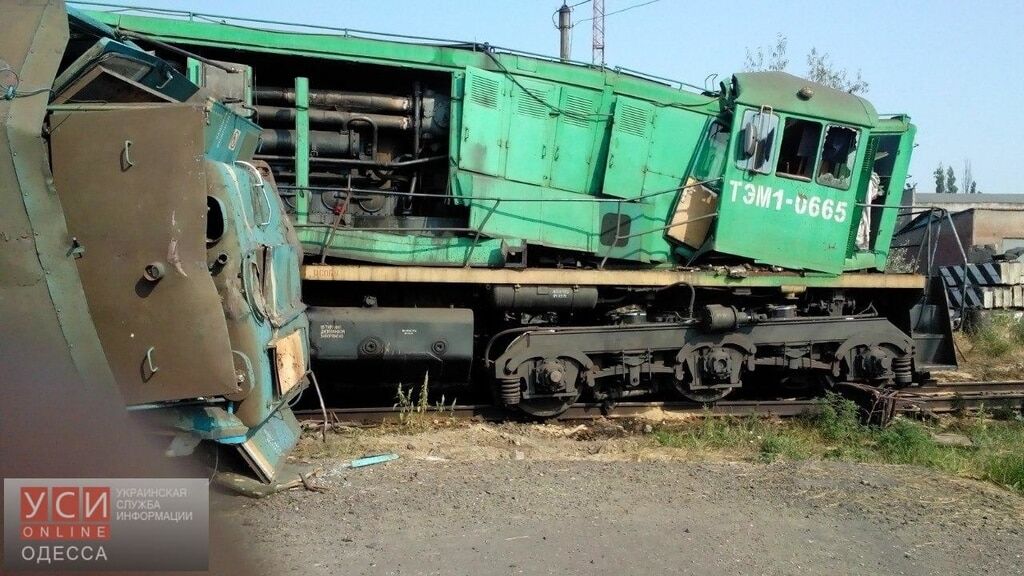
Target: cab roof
column 781, row 91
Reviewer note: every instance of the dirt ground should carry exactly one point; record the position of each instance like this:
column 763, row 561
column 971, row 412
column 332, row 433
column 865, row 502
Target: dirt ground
column 530, row 499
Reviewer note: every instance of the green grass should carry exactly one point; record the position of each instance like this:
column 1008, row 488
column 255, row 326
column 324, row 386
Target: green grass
column 835, row 432
column 997, row 336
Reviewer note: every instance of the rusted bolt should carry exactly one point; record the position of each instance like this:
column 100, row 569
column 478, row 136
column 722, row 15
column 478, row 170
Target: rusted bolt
column 154, row 271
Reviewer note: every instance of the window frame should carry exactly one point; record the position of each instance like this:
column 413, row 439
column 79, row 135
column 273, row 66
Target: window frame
column 854, row 151
column 744, row 163
column 710, row 155
column 815, row 159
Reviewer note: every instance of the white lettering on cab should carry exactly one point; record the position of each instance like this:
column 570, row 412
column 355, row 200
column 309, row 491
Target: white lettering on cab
column 775, row 199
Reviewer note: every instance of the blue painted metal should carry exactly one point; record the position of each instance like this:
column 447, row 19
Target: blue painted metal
column 153, row 72
column 371, row 460
column 268, row 445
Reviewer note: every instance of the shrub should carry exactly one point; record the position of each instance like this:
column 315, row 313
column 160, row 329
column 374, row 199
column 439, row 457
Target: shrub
column 1006, row 469
column 838, row 419
column 906, row 442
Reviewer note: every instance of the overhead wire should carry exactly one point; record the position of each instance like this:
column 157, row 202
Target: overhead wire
column 505, row 71
column 571, row 6
column 619, row 11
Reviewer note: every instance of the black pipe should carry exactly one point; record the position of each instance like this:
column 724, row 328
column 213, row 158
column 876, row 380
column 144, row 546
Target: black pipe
column 320, row 142
column 332, row 117
column 355, row 162
column 361, row 101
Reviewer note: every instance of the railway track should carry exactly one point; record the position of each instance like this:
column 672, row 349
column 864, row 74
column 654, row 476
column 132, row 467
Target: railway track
column 932, row 398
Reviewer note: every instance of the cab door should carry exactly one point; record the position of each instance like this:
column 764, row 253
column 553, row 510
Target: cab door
column 883, row 176
column 132, row 183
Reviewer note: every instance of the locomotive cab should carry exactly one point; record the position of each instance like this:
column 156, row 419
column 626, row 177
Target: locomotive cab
column 806, row 166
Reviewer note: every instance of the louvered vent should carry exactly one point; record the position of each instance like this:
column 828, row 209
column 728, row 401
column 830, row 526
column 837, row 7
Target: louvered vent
column 579, row 110
column 633, row 120
column 484, row 91
column 528, row 105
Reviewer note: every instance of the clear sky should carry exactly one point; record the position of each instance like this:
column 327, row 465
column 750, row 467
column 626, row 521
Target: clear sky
column 956, row 67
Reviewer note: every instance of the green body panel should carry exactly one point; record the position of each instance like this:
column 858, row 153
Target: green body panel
column 510, row 129
column 507, row 219
column 629, row 147
column 777, row 89
column 579, row 145
column 531, row 131
column 768, row 219
column 673, row 141
column 484, row 123
column 402, row 249
column 524, row 128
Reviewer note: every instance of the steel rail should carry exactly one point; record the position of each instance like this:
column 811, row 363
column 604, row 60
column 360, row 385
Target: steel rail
column 932, row 398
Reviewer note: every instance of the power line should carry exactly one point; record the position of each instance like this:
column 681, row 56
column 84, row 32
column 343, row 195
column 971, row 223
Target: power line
column 619, row 11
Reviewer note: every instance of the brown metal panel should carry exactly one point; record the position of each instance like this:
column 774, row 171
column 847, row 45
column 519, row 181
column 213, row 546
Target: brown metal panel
column 133, row 185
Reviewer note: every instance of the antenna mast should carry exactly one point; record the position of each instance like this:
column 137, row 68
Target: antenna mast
column 598, row 32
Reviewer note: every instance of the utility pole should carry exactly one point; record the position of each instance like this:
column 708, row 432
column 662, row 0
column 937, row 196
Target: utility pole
column 564, row 24
column 598, row 32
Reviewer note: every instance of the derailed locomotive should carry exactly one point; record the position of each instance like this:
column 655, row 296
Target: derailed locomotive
column 549, row 231
column 563, row 230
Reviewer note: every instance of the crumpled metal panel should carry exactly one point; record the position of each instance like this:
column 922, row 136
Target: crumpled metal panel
column 259, row 283
column 47, row 338
column 133, row 183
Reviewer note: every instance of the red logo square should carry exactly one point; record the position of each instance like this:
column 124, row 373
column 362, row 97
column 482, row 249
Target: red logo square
column 96, row 504
column 65, row 504
column 34, row 504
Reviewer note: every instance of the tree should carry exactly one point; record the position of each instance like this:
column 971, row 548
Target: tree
column 821, row 70
column 775, row 60
column 820, row 67
column 940, row 180
column 945, row 180
column 970, row 186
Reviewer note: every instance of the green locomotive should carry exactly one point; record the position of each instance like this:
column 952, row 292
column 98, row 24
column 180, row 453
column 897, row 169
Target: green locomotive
column 569, row 231
column 546, row 231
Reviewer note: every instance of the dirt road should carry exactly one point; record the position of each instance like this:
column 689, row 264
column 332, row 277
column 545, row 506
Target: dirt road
column 472, row 506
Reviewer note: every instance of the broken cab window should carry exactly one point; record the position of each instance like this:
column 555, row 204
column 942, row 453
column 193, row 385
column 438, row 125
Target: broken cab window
column 799, row 145
column 756, row 140
column 712, row 156
column 838, row 153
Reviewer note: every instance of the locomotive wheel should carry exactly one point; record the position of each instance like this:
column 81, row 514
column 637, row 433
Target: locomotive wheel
column 542, row 406
column 701, row 395
column 706, row 396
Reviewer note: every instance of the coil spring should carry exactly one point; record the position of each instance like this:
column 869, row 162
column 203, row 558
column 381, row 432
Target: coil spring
column 510, row 392
column 902, row 367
